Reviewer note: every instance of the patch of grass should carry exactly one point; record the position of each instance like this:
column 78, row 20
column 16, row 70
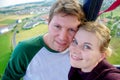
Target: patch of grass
column 4, row 60
column 5, row 50
column 8, row 21
column 5, row 43
column 115, row 58
column 4, row 17
column 25, row 34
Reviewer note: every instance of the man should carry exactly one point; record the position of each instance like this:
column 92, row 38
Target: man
column 45, row 57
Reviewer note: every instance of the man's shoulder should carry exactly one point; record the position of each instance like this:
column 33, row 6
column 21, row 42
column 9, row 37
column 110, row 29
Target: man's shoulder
column 32, row 42
column 28, row 47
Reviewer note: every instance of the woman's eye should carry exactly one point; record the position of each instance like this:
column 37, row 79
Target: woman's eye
column 75, row 42
column 87, row 46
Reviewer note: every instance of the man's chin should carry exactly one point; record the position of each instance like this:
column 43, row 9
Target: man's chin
column 60, row 50
column 64, row 51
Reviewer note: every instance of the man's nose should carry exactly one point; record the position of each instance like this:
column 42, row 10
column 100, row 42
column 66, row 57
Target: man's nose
column 63, row 35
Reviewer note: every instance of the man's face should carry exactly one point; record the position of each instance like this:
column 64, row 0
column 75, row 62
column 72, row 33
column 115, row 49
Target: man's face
column 62, row 29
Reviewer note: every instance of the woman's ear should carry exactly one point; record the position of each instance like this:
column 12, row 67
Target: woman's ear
column 103, row 55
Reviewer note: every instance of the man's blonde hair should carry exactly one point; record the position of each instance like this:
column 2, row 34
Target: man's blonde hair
column 69, row 7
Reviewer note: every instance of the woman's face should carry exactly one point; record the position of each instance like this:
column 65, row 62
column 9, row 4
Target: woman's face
column 85, row 51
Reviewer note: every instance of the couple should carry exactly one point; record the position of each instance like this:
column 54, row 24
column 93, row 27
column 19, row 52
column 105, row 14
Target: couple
column 46, row 57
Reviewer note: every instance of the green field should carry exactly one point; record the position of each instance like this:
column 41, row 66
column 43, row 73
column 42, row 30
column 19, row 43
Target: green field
column 7, row 21
column 5, row 50
column 25, row 34
column 10, row 19
column 6, row 45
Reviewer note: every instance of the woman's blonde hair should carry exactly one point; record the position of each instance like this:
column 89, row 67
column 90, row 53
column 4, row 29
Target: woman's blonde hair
column 103, row 34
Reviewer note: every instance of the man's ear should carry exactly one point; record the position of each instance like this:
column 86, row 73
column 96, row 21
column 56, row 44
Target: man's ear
column 48, row 20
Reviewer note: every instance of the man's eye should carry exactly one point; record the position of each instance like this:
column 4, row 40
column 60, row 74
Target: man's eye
column 57, row 26
column 72, row 30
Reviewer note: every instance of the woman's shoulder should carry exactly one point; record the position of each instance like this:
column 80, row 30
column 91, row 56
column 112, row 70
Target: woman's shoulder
column 113, row 74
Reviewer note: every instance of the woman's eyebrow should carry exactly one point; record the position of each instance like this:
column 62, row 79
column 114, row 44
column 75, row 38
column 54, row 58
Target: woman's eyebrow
column 88, row 43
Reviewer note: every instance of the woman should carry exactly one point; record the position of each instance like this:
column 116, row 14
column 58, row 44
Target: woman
column 88, row 53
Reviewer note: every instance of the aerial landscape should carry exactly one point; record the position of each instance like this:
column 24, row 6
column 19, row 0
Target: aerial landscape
column 23, row 21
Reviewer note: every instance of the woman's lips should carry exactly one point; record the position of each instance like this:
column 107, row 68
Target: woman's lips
column 74, row 57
